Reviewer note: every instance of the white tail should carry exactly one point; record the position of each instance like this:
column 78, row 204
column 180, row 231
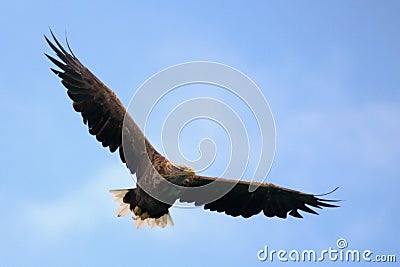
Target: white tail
column 163, row 221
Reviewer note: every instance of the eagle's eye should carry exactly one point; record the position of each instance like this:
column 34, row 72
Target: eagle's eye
column 186, row 169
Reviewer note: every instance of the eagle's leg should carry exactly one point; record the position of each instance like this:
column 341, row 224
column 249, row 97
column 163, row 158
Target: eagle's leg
column 138, row 211
column 145, row 215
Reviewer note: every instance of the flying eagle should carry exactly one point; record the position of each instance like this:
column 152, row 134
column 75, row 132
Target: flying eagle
column 108, row 120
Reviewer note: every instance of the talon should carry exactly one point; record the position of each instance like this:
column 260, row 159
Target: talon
column 144, row 215
column 137, row 210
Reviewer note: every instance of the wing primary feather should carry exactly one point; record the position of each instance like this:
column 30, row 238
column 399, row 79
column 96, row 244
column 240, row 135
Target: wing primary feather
column 69, row 48
column 307, row 209
column 58, row 43
column 55, row 49
column 330, row 192
column 56, row 72
column 295, row 213
column 56, row 62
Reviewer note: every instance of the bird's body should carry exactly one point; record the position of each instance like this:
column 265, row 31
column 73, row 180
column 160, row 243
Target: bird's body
column 160, row 182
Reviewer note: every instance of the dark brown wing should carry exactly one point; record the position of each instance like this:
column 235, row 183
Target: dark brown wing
column 271, row 199
column 100, row 108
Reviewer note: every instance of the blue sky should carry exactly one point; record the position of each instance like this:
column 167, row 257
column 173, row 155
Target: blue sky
column 329, row 70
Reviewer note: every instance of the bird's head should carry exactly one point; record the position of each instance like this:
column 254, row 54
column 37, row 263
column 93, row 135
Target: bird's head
column 179, row 173
column 185, row 171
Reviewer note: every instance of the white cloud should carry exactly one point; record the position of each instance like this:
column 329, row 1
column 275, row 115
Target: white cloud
column 82, row 209
column 91, row 207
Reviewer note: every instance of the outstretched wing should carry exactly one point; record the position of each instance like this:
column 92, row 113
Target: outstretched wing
column 100, row 108
column 271, row 199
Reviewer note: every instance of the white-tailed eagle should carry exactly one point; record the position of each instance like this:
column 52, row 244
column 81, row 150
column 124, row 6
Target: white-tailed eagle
column 104, row 114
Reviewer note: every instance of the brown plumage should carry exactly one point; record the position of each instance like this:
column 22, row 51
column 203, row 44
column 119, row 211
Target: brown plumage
column 105, row 116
